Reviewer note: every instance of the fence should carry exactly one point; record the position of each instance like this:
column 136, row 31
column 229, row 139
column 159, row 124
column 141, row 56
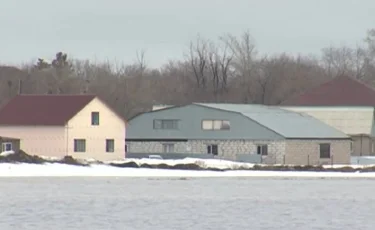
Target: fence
column 246, row 158
column 308, row 160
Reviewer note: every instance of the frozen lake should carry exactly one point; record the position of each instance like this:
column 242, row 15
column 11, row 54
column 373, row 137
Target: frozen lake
column 190, row 204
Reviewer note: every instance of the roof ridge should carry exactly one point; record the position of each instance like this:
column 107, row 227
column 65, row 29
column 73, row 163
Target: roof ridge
column 307, row 91
column 362, row 83
column 42, row 110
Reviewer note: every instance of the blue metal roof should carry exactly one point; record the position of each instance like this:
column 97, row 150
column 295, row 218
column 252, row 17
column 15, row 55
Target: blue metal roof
column 286, row 123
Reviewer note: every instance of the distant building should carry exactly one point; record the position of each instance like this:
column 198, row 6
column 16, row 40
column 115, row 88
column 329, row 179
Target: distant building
column 229, row 130
column 345, row 104
column 157, row 107
column 82, row 126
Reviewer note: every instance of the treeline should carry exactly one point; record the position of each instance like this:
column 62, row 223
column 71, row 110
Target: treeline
column 229, row 69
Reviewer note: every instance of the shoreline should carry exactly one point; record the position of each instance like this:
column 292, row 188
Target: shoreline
column 23, row 165
column 11, row 170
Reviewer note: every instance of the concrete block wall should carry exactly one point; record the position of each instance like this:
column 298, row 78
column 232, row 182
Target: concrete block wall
column 154, row 146
column 303, row 152
column 227, row 149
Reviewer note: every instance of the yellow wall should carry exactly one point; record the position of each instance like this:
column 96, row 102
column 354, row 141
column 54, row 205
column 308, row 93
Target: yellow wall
column 352, row 121
column 38, row 140
column 110, row 127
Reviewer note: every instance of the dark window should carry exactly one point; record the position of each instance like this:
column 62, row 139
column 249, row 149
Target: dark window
column 95, row 118
column 168, row 148
column 109, row 145
column 7, row 146
column 212, row 149
column 215, row 125
column 165, row 124
column 79, row 145
column 126, row 148
column 262, row 150
column 325, row 151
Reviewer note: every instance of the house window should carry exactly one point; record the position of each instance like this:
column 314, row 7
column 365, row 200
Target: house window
column 94, row 118
column 109, row 145
column 165, row 124
column 212, row 149
column 262, row 150
column 7, row 146
column 215, row 125
column 168, row 148
column 325, row 150
column 126, row 148
column 80, row 145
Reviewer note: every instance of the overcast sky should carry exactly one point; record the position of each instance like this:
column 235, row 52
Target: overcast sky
column 116, row 29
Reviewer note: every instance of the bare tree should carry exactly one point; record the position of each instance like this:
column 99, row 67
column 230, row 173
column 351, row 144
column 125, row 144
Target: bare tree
column 346, row 61
column 243, row 63
column 338, row 61
column 141, row 60
column 224, row 70
column 198, row 55
column 219, row 59
column 370, row 41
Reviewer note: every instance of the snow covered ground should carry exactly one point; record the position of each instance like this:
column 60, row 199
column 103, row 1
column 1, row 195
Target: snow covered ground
column 214, row 163
column 102, row 170
column 206, row 163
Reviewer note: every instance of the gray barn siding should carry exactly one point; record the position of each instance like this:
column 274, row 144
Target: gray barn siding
column 191, row 117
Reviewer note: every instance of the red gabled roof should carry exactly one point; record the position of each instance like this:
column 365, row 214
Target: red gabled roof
column 42, row 109
column 341, row 91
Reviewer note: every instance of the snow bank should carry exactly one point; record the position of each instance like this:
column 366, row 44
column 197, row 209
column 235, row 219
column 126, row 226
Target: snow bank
column 218, row 163
column 204, row 163
column 6, row 153
column 103, row 170
column 182, row 169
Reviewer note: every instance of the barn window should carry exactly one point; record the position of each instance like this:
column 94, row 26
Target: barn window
column 325, row 150
column 212, row 149
column 165, row 124
column 215, row 125
column 168, row 148
column 262, row 150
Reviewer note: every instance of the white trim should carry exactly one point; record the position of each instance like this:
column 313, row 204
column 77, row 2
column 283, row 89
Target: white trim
column 3, row 146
